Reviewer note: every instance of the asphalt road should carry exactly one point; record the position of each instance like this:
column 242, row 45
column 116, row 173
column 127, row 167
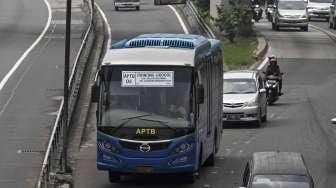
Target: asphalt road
column 299, row 121
column 30, row 99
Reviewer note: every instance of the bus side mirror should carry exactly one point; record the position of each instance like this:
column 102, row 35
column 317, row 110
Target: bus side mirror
column 200, row 94
column 95, row 93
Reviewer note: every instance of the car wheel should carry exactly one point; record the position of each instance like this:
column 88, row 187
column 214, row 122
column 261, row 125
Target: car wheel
column 330, row 25
column 114, row 177
column 277, row 28
column 327, row 19
column 305, row 28
column 116, row 8
column 137, row 8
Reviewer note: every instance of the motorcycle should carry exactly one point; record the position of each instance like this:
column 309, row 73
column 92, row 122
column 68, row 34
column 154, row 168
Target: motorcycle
column 257, row 13
column 272, row 88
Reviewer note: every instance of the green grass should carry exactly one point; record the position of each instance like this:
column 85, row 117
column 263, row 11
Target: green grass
column 239, row 55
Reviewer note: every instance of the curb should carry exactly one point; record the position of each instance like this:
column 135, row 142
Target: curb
column 260, row 52
column 331, row 35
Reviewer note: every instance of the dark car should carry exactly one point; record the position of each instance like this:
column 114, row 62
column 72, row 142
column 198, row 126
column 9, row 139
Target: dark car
column 277, row 170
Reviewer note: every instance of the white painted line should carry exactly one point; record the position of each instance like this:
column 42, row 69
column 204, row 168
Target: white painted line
column 108, row 25
column 262, row 65
column 184, row 27
column 26, row 53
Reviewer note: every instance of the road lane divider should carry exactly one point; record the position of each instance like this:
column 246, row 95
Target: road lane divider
column 53, row 155
column 183, row 25
column 109, row 32
column 26, row 53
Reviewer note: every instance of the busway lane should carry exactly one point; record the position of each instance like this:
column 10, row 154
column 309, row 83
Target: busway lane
column 31, row 97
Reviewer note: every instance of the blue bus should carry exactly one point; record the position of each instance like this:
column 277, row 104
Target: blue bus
column 159, row 105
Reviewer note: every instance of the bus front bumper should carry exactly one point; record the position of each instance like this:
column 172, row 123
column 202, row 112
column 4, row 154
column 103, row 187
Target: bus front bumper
column 121, row 164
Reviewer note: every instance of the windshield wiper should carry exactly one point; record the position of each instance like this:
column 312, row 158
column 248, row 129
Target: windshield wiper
column 161, row 122
column 246, row 92
column 231, row 92
column 128, row 119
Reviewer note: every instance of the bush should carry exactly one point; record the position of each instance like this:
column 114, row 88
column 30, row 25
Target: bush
column 235, row 19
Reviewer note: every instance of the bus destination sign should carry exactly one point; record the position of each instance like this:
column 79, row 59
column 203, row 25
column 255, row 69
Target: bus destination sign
column 147, row 79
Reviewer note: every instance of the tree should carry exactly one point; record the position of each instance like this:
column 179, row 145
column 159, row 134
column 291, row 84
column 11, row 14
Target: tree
column 235, row 19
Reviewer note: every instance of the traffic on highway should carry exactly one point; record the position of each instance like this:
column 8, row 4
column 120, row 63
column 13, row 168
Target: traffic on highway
column 146, row 94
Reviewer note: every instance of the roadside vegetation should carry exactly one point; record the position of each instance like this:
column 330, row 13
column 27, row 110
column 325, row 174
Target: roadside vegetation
column 235, row 26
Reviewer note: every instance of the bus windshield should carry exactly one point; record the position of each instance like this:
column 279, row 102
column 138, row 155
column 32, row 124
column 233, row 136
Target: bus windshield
column 164, row 93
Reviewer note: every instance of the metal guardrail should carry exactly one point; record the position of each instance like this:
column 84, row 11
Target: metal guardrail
column 200, row 20
column 52, row 158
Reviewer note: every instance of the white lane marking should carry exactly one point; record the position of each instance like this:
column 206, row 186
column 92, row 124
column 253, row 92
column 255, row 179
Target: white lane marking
column 108, row 25
column 184, row 27
column 26, row 53
column 22, row 77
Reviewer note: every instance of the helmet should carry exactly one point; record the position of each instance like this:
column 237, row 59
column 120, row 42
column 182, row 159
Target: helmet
column 272, row 59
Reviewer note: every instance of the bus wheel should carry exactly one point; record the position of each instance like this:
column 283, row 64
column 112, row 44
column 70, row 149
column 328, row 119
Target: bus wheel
column 190, row 178
column 114, row 177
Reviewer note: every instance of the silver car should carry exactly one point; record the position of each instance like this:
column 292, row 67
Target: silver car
column 244, row 97
column 290, row 13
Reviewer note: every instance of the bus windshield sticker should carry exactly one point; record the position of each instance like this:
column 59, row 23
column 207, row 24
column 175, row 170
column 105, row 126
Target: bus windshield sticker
column 147, row 79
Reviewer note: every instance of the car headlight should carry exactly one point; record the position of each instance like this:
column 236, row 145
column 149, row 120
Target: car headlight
column 251, row 103
column 183, row 148
column 107, row 147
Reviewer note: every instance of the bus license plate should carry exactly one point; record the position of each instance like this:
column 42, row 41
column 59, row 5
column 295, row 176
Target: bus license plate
column 144, row 169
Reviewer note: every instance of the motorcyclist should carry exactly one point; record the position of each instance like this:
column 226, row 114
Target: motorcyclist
column 274, row 69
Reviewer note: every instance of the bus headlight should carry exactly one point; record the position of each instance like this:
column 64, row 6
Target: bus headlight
column 183, row 148
column 107, row 147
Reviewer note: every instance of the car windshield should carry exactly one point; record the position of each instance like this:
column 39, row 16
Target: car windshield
column 169, row 97
column 320, row 1
column 239, row 86
column 292, row 5
column 280, row 181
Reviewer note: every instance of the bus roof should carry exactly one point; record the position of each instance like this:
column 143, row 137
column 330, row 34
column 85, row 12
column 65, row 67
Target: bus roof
column 149, row 56
column 158, row 49
column 286, row 163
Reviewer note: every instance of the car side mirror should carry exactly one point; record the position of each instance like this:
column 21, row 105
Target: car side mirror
column 262, row 90
column 200, row 94
column 332, row 6
column 333, row 121
column 95, row 90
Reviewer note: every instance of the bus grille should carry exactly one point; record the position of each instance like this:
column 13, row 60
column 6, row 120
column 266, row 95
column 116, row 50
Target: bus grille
column 136, row 145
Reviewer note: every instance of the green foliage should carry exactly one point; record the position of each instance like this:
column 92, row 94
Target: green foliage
column 203, row 5
column 235, row 19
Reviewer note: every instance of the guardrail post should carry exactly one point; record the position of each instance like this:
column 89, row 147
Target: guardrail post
column 66, row 84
